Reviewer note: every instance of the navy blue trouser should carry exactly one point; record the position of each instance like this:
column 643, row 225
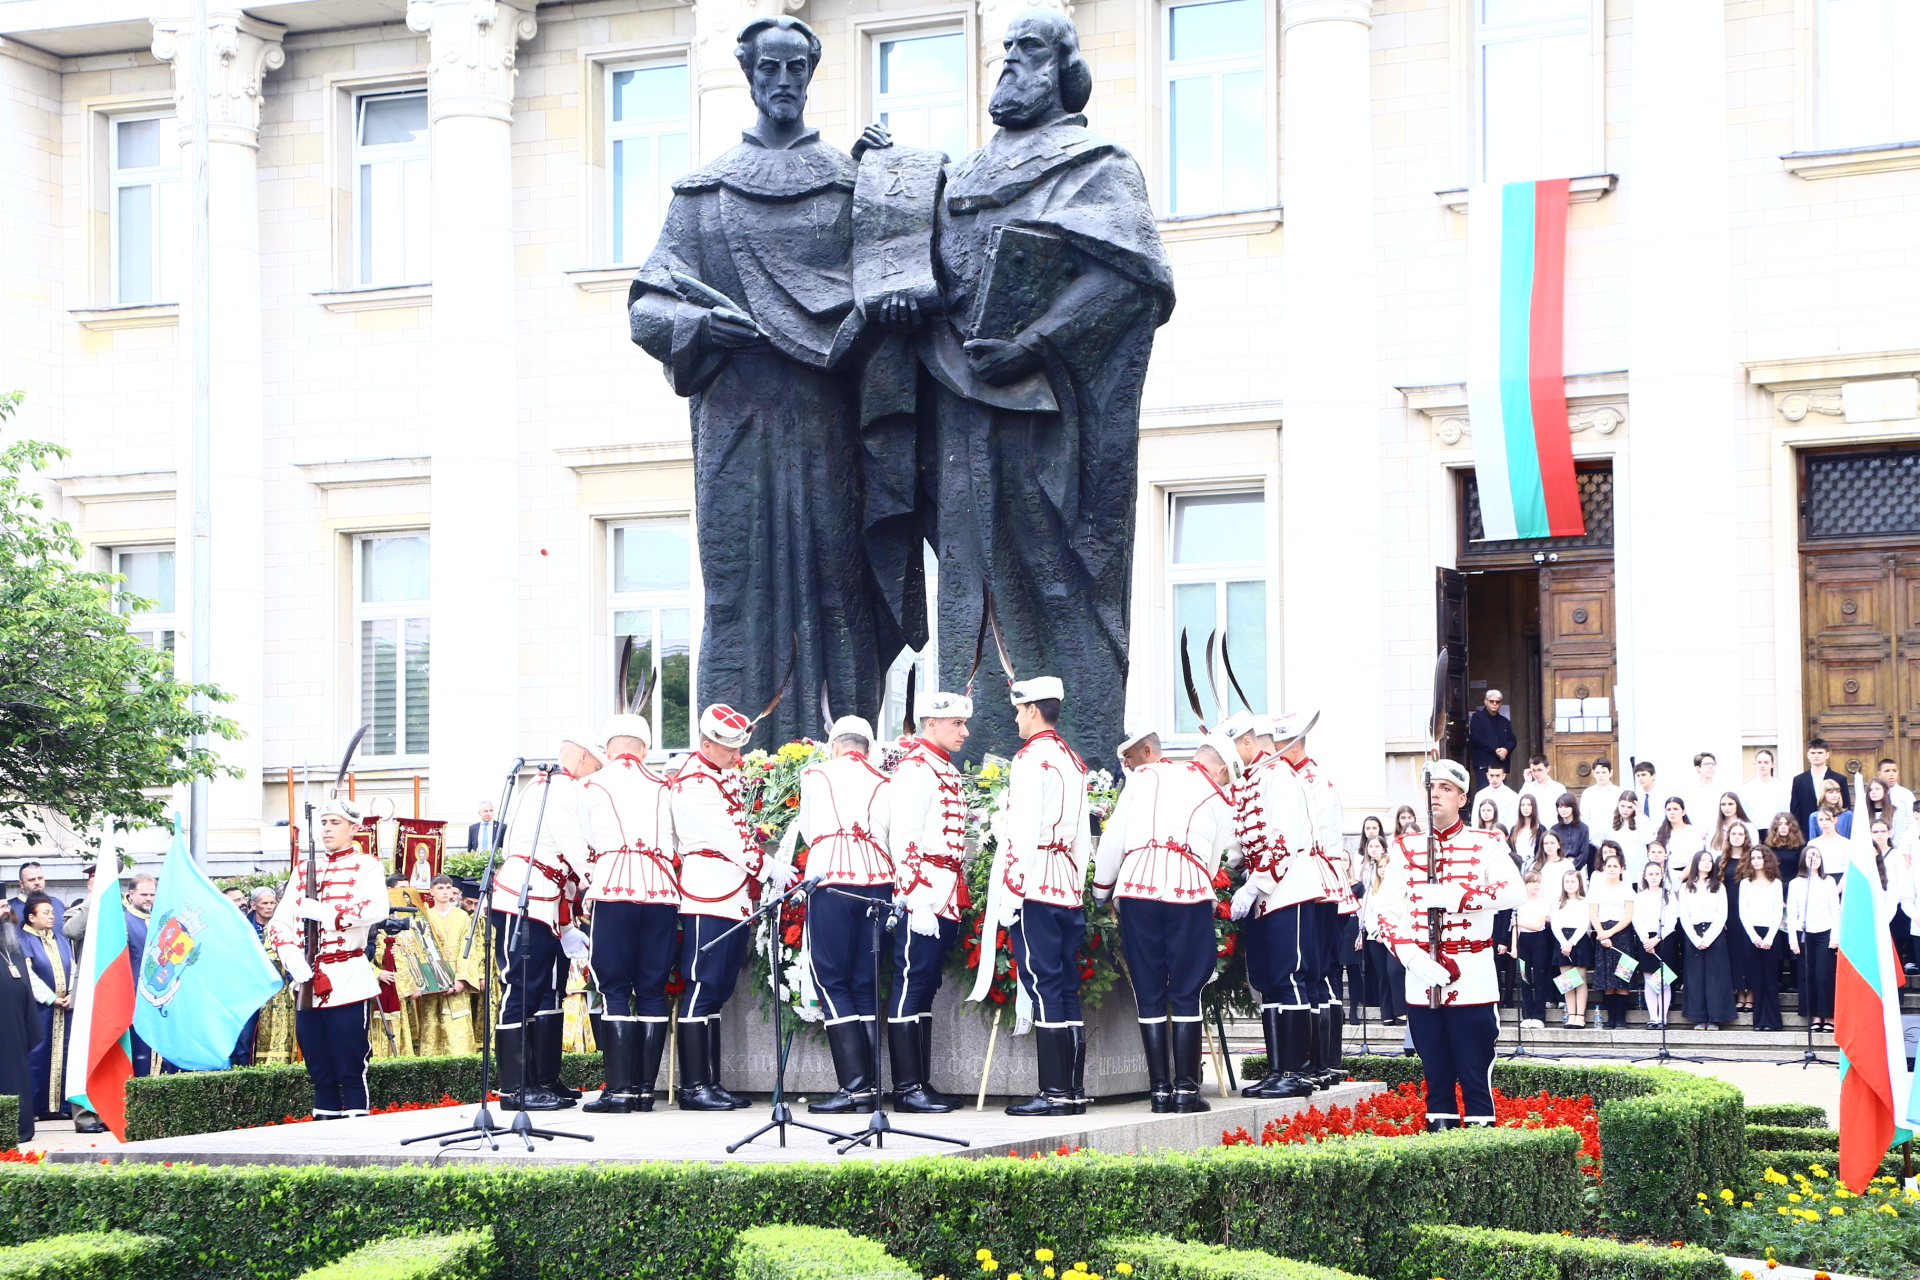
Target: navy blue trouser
column 917, row 961
column 632, row 957
column 1046, row 947
column 709, row 975
column 334, row 1044
column 1326, row 931
column 1169, row 949
column 1456, row 1045
column 1289, row 955
column 840, row 947
column 535, row 995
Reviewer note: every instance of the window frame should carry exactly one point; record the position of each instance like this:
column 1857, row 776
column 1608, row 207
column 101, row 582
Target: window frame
column 612, row 133
column 688, row 598
column 879, row 38
column 158, row 177
column 404, row 611
column 358, row 269
column 1822, row 82
column 1592, row 19
column 865, row 32
column 1219, row 573
column 166, row 621
column 1264, row 61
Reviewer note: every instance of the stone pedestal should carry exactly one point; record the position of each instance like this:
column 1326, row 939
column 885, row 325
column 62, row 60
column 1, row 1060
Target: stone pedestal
column 1115, row 1062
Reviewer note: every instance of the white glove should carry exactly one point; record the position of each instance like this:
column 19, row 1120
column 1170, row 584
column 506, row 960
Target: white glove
column 1009, row 912
column 308, row 909
column 781, row 875
column 1422, row 896
column 297, row 967
column 1426, row 971
column 1244, row 899
column 575, row 944
column 923, row 921
column 1103, row 895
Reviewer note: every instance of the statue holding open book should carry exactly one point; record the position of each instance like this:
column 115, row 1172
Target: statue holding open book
column 886, row 347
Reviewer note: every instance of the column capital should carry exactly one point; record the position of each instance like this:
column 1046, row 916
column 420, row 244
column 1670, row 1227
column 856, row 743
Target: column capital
column 472, row 45
column 241, row 50
column 1294, row 13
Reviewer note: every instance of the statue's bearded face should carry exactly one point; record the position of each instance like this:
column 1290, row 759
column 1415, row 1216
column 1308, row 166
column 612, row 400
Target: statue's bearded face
column 781, row 69
column 1029, row 87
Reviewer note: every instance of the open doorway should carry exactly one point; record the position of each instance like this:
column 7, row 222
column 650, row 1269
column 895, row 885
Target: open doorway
column 1503, row 651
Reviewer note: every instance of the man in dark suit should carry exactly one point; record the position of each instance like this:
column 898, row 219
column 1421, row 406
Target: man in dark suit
column 486, row 833
column 1807, row 787
column 1490, row 737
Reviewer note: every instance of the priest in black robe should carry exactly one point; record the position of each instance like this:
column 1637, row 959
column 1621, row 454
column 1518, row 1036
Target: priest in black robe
column 20, row 1032
column 748, row 303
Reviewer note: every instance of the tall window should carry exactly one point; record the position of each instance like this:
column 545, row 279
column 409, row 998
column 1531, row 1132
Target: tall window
column 651, row 595
column 1216, row 118
column 390, row 189
column 145, row 165
column 146, row 596
column 920, row 88
column 647, row 127
column 1218, row 578
column 1868, row 91
column 1535, row 68
column 391, row 597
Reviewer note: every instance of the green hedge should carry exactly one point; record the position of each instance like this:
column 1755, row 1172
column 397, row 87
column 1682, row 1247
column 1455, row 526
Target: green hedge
column 813, row 1253
column 88, row 1255
column 1664, row 1135
column 1794, row 1115
column 172, row 1106
column 1341, row 1204
column 1780, row 1137
column 9, row 1122
column 469, row 1255
column 1164, row 1258
column 1473, row 1253
column 1794, row 1163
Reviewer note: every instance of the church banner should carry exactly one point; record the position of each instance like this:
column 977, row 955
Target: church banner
column 1516, row 391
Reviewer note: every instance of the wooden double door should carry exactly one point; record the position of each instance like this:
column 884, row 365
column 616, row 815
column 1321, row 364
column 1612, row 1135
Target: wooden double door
column 1860, row 614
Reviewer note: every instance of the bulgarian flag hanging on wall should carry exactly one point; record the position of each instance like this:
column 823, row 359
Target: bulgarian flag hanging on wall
column 1516, row 394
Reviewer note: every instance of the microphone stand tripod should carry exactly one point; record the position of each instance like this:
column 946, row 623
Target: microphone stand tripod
column 1664, row 1054
column 782, row 1114
column 885, row 917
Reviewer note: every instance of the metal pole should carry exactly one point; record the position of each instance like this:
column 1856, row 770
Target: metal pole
column 202, row 548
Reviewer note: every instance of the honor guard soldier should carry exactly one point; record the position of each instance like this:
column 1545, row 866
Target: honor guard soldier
column 1466, row 881
column 1160, row 849
column 634, row 897
column 348, row 896
column 1141, row 747
column 1326, row 817
column 721, row 865
column 843, row 822
column 1039, row 879
column 528, row 1035
column 927, row 835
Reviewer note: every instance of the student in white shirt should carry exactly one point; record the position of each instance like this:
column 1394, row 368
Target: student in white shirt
column 1541, row 786
column 1728, row 810
column 1572, row 925
column 1610, row 910
column 1763, row 907
column 1646, row 783
column 1765, row 793
column 1525, row 835
column 1500, row 793
column 1628, row 829
column 1834, row 847
column 1550, row 859
column 1655, row 914
column 1601, row 795
column 1903, row 823
column 1741, row 960
column 1813, row 934
column 1533, row 947
column 1703, row 926
column 1703, row 798
column 1679, row 837
column 1386, row 976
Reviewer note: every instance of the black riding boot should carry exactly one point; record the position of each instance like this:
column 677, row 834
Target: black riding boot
column 1440, row 1124
column 907, row 1042
column 1077, row 1067
column 697, row 1092
column 1332, row 1019
column 510, row 1057
column 549, row 1036
column 652, row 1048
column 1186, row 1068
column 1271, row 1023
column 1053, row 1053
column 1299, row 1049
column 926, row 1066
column 618, row 1039
column 1155, row 1038
column 736, row 1100
column 847, row 1041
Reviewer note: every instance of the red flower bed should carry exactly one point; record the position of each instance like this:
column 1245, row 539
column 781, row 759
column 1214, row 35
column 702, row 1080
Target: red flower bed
column 22, row 1157
column 1402, row 1112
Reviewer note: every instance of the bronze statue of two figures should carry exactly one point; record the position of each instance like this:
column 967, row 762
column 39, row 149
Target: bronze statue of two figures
column 885, row 348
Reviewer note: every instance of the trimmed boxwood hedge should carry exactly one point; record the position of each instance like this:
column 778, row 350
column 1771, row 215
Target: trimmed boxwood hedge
column 9, row 1122
column 172, row 1106
column 88, row 1255
column 468, row 1255
column 1794, row 1115
column 1164, row 1258
column 1343, row 1204
column 1474, row 1253
column 1780, row 1137
column 813, row 1253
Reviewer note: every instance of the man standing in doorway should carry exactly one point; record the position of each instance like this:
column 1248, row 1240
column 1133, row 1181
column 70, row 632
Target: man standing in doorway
column 1490, row 737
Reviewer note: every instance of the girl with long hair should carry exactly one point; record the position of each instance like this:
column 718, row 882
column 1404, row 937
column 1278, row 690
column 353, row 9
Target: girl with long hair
column 1678, row 836
column 1763, row 907
column 1813, row 935
column 1406, row 821
column 1656, row 913
column 1550, row 859
column 1388, row 975
column 1610, row 905
column 1786, row 840
column 1741, row 961
column 1533, row 947
column 1703, row 923
column 1730, row 811
column 1572, row 923
column 1575, row 839
column 1832, row 797
column 1625, row 829
column 1371, row 828
column 1486, row 815
column 1526, row 829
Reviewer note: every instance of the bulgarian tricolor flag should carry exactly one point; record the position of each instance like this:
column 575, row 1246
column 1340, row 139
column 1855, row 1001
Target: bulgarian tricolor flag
column 100, row 1055
column 1516, row 393
column 1874, row 1085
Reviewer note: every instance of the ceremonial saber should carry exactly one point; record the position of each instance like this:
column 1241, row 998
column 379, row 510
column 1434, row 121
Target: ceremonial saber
column 986, row 1069
column 1216, row 1051
column 1436, row 727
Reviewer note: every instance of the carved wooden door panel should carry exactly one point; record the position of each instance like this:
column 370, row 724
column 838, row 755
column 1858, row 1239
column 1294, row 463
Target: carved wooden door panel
column 1853, row 683
column 1906, row 609
column 1578, row 661
column 1450, row 597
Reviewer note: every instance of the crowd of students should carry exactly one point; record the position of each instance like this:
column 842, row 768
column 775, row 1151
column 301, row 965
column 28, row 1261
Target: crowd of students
column 1726, row 896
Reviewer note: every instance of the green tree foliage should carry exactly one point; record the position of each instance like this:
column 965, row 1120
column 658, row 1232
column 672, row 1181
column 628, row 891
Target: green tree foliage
column 93, row 724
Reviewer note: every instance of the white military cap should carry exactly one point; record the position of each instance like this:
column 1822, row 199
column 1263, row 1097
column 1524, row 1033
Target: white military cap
column 588, row 743
column 854, row 725
column 1236, row 725
column 1447, row 771
column 1262, row 725
column 1228, row 753
column 722, row 724
column 1038, row 689
column 626, row 725
column 1135, row 736
column 943, row 706
column 1293, row 724
column 346, row 808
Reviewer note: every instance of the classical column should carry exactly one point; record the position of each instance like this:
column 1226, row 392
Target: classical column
column 725, row 107
column 1677, row 583
column 473, row 415
column 1330, row 443
column 242, row 50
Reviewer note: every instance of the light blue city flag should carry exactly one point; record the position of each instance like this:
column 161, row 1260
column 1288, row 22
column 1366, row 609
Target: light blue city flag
column 203, row 973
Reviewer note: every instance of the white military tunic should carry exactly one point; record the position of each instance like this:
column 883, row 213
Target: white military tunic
column 926, row 831
column 843, row 819
column 1044, row 857
column 562, row 859
column 720, row 862
column 632, row 858
column 1167, row 836
column 353, row 884
column 1490, row 883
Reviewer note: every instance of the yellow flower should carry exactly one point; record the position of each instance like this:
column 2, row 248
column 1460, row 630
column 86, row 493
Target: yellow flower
column 989, row 1265
column 1014, row 1275
column 1794, row 1196
column 1048, row 1273
column 1079, row 1266
column 1818, row 1171
column 989, row 772
column 1043, row 1255
column 1889, row 1210
column 1783, row 1211
column 1773, row 1175
column 1746, row 1275
column 1837, row 1211
column 1726, row 1195
column 1124, row 1268
column 1746, row 1204
column 981, row 1255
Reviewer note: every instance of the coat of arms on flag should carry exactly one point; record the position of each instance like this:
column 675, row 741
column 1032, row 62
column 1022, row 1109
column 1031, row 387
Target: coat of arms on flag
column 171, row 950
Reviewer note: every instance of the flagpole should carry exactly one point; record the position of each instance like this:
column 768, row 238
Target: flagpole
column 200, row 658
